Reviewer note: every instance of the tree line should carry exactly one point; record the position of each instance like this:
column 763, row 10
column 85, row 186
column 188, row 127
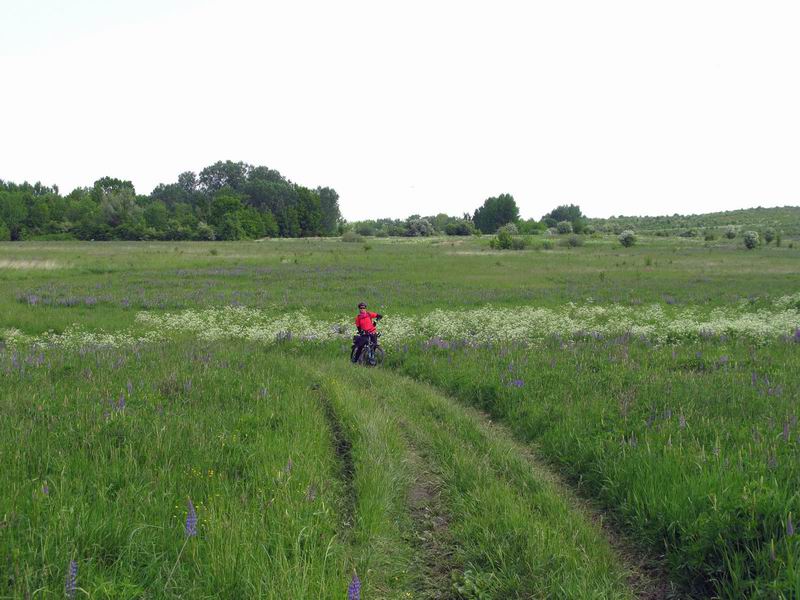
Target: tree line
column 495, row 213
column 233, row 201
column 225, row 201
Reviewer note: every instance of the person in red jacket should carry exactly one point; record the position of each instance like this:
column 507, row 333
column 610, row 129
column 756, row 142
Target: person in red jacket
column 366, row 330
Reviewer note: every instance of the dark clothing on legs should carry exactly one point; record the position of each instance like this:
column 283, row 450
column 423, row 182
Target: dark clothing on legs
column 359, row 342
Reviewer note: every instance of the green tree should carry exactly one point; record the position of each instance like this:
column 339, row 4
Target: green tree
column 309, row 212
column 5, row 232
column 156, row 215
column 329, row 205
column 495, row 212
column 566, row 212
column 224, row 174
column 13, row 211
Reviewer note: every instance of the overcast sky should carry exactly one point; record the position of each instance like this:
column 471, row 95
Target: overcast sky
column 623, row 107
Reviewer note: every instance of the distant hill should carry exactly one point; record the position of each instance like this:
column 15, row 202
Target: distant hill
column 785, row 219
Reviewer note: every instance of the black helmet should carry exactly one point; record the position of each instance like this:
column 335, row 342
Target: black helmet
column 362, row 305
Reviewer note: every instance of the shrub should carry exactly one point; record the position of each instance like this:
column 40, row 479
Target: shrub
column 627, row 238
column 688, row 233
column 419, row 228
column 502, row 241
column 564, row 227
column 730, row 232
column 351, row 236
column 572, row 241
column 518, row 243
column 462, row 227
column 381, row 233
column 509, row 228
column 751, row 239
column 365, row 230
column 709, row 235
column 546, row 245
column 769, row 235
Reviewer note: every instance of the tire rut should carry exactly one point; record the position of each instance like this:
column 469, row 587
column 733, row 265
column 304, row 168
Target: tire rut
column 431, row 535
column 646, row 574
column 343, row 449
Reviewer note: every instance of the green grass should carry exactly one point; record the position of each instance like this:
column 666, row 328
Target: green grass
column 695, row 449
column 692, row 448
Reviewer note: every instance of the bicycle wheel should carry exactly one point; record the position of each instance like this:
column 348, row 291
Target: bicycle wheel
column 379, row 355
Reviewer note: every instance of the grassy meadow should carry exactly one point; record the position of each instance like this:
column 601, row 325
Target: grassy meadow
column 181, row 420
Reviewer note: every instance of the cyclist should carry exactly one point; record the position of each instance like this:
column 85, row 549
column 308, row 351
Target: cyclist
column 366, row 330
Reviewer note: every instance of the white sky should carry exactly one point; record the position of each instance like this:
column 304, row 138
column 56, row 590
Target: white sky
column 623, row 107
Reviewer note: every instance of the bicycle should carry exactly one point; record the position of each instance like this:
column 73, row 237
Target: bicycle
column 372, row 354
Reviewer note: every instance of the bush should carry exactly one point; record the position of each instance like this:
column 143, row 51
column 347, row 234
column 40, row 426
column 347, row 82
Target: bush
column 460, row 228
column 751, row 239
column 627, row 238
column 518, row 243
column 381, row 233
column 564, row 227
column 688, row 233
column 502, row 241
column 546, row 245
column 351, row 236
column 572, row 241
column 5, row 232
column 509, row 228
column 730, row 232
column 709, row 235
column 419, row 228
column 365, row 230
column 769, row 235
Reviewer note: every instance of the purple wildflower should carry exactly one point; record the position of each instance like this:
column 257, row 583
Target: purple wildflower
column 191, row 521
column 518, row 383
column 789, row 526
column 753, row 378
column 130, row 388
column 288, row 468
column 354, row 590
column 45, row 489
column 71, row 585
column 121, row 403
column 797, row 335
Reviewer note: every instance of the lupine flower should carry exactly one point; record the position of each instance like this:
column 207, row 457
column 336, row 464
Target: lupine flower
column 71, row 585
column 45, row 489
column 130, row 388
column 789, row 526
column 121, row 403
column 518, row 383
column 354, row 590
column 191, row 521
column 311, row 493
column 288, row 468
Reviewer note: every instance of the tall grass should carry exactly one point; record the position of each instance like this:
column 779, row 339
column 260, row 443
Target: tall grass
column 696, row 448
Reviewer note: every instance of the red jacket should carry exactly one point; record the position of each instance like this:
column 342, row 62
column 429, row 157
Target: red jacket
column 364, row 321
